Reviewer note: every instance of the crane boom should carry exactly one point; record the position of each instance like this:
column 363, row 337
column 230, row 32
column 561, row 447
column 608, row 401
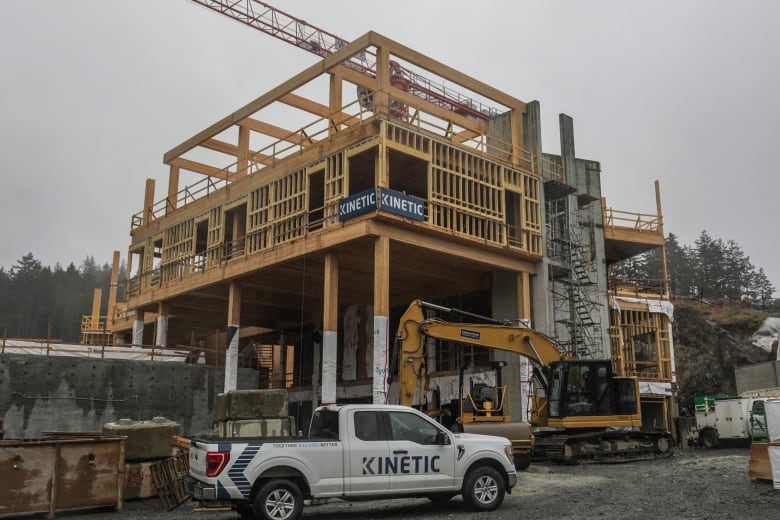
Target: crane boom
column 298, row 32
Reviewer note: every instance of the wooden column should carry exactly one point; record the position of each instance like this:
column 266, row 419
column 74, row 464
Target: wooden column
column 382, row 93
column 524, row 297
column 97, row 295
column 334, row 103
column 381, row 318
column 242, row 164
column 330, row 316
column 234, row 319
column 111, row 312
column 664, row 271
column 173, row 188
column 148, row 202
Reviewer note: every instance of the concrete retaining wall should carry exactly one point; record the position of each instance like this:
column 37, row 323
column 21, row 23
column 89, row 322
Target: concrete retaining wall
column 758, row 376
column 66, row 394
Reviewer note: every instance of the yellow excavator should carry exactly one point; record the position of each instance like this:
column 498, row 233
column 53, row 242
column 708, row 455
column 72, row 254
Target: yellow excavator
column 581, row 411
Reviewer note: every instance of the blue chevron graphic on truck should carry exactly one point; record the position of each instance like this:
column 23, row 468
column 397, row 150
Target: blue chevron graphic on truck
column 236, row 472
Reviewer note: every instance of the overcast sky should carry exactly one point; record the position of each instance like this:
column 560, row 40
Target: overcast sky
column 94, row 92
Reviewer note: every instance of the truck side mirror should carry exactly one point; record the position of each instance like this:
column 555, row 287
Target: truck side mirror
column 442, row 438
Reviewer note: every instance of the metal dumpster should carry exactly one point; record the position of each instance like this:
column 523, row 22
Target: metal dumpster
column 61, row 474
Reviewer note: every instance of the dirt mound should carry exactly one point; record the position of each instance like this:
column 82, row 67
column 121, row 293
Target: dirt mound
column 709, row 342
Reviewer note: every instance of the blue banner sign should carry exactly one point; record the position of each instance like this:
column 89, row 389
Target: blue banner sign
column 389, row 200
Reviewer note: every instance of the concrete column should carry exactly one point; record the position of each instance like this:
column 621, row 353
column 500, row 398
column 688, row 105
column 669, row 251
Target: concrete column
column 162, row 325
column 567, row 151
column 138, row 329
column 507, row 297
column 330, row 326
column 234, row 320
column 381, row 318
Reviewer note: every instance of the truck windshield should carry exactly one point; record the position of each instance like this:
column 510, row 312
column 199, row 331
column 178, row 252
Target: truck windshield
column 325, row 423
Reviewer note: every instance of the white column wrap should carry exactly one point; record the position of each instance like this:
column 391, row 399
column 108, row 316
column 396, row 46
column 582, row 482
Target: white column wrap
column 329, row 356
column 138, row 333
column 381, row 367
column 315, row 377
column 162, row 331
column 231, row 359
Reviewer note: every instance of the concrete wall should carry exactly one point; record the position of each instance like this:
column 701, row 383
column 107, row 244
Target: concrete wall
column 67, row 394
column 758, row 376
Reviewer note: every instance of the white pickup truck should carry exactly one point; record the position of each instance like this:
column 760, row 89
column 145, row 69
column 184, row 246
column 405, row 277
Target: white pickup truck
column 352, row 452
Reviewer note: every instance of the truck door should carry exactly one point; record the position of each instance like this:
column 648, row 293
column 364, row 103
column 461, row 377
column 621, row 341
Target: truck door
column 758, row 421
column 367, row 445
column 416, row 462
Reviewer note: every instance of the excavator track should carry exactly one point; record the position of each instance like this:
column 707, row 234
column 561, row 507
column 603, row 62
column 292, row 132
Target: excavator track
column 604, row 447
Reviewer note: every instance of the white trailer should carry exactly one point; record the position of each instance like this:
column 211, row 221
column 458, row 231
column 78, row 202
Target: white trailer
column 729, row 419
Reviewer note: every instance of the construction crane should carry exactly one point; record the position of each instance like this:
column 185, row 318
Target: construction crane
column 300, row 33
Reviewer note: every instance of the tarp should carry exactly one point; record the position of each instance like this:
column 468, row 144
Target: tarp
column 774, row 462
column 767, row 335
column 652, row 387
column 659, row 306
column 772, row 411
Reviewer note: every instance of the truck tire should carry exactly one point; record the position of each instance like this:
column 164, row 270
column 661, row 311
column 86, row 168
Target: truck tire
column 279, row 499
column 709, row 439
column 484, row 489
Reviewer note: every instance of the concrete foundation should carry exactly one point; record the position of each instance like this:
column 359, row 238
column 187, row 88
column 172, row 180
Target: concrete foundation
column 146, row 440
column 66, row 394
column 252, row 404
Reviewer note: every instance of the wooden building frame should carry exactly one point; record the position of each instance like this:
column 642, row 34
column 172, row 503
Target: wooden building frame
column 283, row 227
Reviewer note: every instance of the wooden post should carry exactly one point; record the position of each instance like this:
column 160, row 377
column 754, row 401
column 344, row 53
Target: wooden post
column 111, row 310
column 148, row 202
column 381, row 318
column 173, row 188
column 330, row 318
column 334, row 103
column 242, row 164
column 524, row 296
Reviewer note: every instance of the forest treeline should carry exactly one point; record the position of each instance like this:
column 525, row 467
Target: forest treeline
column 38, row 301
column 710, row 270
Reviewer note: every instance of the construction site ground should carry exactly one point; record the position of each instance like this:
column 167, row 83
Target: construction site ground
column 690, row 484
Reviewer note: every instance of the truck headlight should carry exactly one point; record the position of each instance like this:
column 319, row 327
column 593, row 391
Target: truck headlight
column 508, row 453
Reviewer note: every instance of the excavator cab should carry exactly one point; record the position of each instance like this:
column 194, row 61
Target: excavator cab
column 586, row 393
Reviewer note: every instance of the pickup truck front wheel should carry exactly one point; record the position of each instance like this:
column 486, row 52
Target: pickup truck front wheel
column 484, row 489
column 279, row 499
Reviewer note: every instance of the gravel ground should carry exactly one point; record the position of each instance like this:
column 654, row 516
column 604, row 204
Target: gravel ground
column 691, row 484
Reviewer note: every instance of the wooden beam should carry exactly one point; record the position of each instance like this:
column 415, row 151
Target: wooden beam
column 407, row 54
column 280, row 133
column 269, row 97
column 220, row 146
column 199, row 167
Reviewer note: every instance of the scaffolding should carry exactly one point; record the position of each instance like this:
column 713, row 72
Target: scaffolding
column 573, row 277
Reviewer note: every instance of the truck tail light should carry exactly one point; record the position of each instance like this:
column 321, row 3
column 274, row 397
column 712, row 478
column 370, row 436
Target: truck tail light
column 216, row 462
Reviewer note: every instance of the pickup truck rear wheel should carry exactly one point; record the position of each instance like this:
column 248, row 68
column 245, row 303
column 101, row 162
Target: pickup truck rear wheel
column 279, row 499
column 484, row 489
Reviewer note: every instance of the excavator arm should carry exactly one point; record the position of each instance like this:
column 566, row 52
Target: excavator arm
column 414, row 328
